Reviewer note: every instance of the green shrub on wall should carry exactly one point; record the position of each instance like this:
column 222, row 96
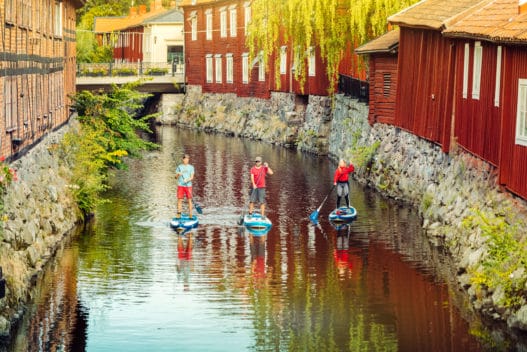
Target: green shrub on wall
column 107, row 133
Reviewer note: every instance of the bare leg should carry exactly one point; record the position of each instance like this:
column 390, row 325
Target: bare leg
column 179, row 206
column 189, row 207
column 251, row 207
column 262, row 209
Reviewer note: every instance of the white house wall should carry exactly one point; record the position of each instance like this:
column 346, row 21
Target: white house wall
column 157, row 38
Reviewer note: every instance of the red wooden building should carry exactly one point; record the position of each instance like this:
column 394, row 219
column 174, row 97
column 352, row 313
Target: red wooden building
column 426, row 68
column 491, row 88
column 217, row 58
column 382, row 54
column 126, row 32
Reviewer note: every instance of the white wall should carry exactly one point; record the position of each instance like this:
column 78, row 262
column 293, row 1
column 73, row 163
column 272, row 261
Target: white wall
column 157, row 38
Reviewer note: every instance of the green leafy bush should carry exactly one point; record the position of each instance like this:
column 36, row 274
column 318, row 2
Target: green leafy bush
column 108, row 132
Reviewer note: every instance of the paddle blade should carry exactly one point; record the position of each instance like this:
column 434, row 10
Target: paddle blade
column 314, row 216
column 240, row 220
column 198, row 208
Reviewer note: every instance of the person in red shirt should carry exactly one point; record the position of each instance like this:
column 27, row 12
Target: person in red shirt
column 258, row 173
column 341, row 181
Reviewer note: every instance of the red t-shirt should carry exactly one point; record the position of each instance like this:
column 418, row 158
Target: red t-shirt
column 341, row 174
column 259, row 175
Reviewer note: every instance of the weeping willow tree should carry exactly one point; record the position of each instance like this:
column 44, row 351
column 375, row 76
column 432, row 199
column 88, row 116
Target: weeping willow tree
column 329, row 25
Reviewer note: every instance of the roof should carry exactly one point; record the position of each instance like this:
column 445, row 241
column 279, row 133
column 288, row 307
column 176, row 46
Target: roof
column 108, row 24
column 496, row 21
column 197, row 2
column 386, row 43
column 171, row 16
column 433, row 14
column 111, row 24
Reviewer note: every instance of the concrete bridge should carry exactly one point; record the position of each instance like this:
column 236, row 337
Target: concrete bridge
column 154, row 77
column 150, row 84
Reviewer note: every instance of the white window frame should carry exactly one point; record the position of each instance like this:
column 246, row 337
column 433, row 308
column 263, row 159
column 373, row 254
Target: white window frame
column 233, row 25
column 311, row 60
column 229, row 68
column 521, row 113
column 193, row 25
column 245, row 68
column 208, row 24
column 246, row 16
column 465, row 70
column 58, row 19
column 218, row 68
column 283, row 60
column 208, row 68
column 476, row 70
column 497, row 87
column 223, row 22
column 261, row 67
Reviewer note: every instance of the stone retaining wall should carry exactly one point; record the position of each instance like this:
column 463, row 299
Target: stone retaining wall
column 39, row 211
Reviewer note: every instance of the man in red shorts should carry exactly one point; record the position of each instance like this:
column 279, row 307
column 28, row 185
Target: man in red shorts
column 184, row 175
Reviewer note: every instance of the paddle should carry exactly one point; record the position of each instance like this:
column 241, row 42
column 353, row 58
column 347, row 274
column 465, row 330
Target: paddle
column 240, row 220
column 198, row 208
column 314, row 215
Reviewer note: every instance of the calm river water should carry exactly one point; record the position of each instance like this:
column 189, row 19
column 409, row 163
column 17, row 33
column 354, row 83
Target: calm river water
column 128, row 282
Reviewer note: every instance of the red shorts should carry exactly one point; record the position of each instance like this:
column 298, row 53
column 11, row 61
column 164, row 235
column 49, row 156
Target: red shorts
column 183, row 191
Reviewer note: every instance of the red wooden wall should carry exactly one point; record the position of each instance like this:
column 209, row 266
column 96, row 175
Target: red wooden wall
column 382, row 95
column 477, row 120
column 425, row 85
column 513, row 164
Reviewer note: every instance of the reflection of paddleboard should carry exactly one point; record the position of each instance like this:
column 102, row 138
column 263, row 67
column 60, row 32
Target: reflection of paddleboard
column 256, row 221
column 184, row 222
column 258, row 232
column 343, row 214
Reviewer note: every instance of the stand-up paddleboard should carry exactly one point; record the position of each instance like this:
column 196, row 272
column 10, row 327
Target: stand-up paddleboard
column 184, row 222
column 343, row 214
column 256, row 221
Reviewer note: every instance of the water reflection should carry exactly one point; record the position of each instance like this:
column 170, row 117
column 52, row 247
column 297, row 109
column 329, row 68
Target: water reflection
column 129, row 282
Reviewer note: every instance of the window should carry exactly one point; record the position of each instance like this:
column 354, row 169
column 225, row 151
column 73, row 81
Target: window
column 465, row 70
column 230, row 65
column 521, row 114
column 58, row 19
column 193, row 25
column 245, row 68
column 208, row 67
column 387, row 84
column 232, row 20
column 311, row 62
column 476, row 74
column 261, row 67
column 497, row 87
column 9, row 11
column 247, row 15
column 283, row 60
column 208, row 24
column 10, row 101
column 219, row 72
column 223, row 22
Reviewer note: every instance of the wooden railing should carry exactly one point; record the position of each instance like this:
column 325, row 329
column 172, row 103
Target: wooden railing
column 354, row 88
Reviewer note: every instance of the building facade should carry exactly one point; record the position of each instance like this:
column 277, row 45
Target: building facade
column 38, row 70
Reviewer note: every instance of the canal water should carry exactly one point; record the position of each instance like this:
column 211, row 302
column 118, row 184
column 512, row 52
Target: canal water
column 128, row 282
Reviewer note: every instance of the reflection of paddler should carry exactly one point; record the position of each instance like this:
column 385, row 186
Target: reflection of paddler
column 184, row 254
column 257, row 245
column 184, row 251
column 341, row 254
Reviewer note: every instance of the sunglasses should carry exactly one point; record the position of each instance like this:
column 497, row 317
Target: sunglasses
column 257, row 161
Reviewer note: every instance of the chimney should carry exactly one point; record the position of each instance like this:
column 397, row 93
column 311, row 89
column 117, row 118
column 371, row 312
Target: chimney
column 142, row 9
column 133, row 11
column 522, row 6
